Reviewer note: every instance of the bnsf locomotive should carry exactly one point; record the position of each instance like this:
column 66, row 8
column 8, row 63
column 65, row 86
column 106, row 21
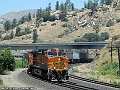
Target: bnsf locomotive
column 51, row 64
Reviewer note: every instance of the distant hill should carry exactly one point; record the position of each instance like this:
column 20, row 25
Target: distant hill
column 17, row 15
column 14, row 15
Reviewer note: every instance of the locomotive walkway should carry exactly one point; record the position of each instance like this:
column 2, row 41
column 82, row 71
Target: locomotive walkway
column 75, row 45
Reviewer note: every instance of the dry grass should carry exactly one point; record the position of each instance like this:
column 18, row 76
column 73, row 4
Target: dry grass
column 50, row 33
column 91, row 70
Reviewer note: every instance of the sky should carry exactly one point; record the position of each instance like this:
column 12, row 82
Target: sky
column 7, row 6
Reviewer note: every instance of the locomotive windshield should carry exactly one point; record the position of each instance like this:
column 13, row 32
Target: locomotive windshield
column 30, row 54
column 51, row 54
column 62, row 54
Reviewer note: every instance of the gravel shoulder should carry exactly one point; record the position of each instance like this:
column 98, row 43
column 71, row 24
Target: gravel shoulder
column 10, row 80
column 20, row 79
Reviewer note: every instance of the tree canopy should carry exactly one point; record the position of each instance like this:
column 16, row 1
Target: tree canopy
column 93, row 37
column 91, row 4
column 7, row 61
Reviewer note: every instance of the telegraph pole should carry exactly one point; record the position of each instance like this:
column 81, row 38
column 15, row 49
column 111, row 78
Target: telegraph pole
column 118, row 47
column 119, row 61
column 111, row 54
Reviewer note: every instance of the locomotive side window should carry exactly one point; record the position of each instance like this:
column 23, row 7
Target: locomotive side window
column 51, row 54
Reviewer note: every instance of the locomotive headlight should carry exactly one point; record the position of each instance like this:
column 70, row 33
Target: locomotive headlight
column 58, row 58
column 65, row 68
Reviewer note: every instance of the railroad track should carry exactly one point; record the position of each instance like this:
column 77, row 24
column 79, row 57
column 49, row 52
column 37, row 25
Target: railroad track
column 66, row 84
column 78, row 83
column 72, row 85
column 93, row 81
column 75, row 86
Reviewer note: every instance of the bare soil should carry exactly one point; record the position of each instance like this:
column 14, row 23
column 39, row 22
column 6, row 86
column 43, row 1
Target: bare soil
column 11, row 80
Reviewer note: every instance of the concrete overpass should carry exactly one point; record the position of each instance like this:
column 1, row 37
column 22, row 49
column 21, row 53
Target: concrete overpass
column 75, row 45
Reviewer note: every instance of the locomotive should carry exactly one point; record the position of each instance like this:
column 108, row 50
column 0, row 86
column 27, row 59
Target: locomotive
column 51, row 64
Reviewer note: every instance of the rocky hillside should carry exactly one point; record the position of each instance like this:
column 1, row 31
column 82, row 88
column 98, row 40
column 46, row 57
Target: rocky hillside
column 79, row 23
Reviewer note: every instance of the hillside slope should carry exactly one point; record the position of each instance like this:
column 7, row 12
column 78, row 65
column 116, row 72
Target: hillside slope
column 79, row 23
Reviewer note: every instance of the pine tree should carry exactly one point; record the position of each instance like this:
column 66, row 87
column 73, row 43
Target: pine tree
column 12, row 35
column 7, row 25
column 72, row 6
column 22, row 20
column 57, row 5
column 29, row 16
column 49, row 7
column 67, row 4
column 35, row 36
column 14, row 23
column 18, row 29
column 102, row 1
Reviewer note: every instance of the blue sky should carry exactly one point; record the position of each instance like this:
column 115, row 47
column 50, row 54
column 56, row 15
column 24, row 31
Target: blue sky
column 7, row 6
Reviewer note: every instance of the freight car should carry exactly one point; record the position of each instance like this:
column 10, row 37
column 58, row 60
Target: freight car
column 73, row 57
column 83, row 57
column 51, row 64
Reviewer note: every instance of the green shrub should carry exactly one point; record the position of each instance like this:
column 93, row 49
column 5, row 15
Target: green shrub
column 7, row 61
column 118, row 83
column 81, row 10
column 1, row 82
column 91, row 37
column 7, row 37
column 109, row 69
column 104, row 9
column 104, row 36
column 110, row 23
column 21, row 63
column 77, row 40
column 18, row 63
column 75, row 70
column 118, row 20
column 64, row 25
column 53, row 24
column 116, row 37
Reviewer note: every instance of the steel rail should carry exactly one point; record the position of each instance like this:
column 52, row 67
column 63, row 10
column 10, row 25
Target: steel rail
column 67, row 84
column 93, row 81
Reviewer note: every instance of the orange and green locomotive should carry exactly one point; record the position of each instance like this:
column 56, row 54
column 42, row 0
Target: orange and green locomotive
column 51, row 64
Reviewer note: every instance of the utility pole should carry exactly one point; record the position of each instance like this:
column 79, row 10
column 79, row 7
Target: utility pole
column 118, row 47
column 111, row 54
column 119, row 61
column 110, row 50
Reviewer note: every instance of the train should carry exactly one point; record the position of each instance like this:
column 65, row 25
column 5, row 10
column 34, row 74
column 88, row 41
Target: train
column 51, row 64
column 77, row 57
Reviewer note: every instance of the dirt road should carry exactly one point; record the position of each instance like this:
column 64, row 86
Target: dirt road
column 11, row 80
